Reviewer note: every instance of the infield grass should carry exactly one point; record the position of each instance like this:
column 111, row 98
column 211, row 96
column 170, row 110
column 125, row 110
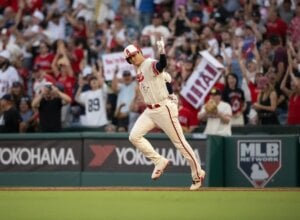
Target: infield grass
column 149, row 205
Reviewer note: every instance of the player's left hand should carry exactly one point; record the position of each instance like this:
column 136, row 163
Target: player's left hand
column 161, row 45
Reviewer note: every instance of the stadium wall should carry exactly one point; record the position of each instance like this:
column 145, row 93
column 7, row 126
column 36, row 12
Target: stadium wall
column 104, row 159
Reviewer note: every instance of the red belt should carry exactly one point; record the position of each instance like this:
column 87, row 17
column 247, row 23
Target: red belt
column 153, row 106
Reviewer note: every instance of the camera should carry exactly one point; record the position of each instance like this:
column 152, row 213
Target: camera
column 48, row 85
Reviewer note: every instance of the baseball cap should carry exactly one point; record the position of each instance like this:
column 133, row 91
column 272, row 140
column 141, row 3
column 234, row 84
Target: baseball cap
column 39, row 15
column 87, row 71
column 126, row 73
column 7, row 97
column 196, row 19
column 25, row 99
column 16, row 84
column 130, row 51
column 118, row 18
column 215, row 91
column 60, row 86
column 189, row 59
column 155, row 15
column 5, row 54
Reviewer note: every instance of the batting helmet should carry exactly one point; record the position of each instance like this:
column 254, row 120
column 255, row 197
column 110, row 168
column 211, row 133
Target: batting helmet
column 130, row 51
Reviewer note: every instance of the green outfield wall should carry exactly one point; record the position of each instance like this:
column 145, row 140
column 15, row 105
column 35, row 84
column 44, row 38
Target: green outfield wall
column 89, row 159
column 253, row 160
column 103, row 159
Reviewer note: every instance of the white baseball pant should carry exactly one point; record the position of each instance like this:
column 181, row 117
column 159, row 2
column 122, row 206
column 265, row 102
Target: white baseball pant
column 166, row 118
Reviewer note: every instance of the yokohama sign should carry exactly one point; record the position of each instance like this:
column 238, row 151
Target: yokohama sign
column 37, row 156
column 121, row 156
column 40, row 155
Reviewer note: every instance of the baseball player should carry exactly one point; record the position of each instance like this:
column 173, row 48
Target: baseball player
column 161, row 111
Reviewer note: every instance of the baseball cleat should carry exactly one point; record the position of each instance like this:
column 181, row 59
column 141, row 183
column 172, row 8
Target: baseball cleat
column 159, row 168
column 197, row 184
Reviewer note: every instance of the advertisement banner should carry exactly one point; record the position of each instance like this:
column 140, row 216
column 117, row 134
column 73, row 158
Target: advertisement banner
column 261, row 161
column 121, row 156
column 40, row 155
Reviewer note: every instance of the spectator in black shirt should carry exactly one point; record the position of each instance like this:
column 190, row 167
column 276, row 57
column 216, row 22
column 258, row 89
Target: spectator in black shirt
column 11, row 116
column 49, row 103
column 235, row 97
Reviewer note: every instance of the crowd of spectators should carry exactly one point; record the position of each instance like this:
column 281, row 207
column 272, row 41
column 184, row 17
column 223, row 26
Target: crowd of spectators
column 52, row 75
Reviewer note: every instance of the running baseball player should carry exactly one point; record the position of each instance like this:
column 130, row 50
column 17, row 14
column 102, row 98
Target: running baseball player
column 161, row 111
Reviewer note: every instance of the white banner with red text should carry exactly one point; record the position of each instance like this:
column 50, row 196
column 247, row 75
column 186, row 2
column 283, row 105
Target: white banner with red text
column 203, row 78
column 114, row 61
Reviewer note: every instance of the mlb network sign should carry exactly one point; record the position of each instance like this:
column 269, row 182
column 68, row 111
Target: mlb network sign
column 259, row 160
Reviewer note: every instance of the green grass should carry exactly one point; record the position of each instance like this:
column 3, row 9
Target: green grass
column 149, row 205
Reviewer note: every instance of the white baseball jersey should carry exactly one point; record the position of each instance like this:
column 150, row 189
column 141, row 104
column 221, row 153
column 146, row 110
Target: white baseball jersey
column 152, row 84
column 95, row 106
column 7, row 77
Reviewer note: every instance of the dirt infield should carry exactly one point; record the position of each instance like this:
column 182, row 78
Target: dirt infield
column 126, row 188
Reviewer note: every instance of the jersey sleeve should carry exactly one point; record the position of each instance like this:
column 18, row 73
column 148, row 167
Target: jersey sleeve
column 158, row 66
column 155, row 70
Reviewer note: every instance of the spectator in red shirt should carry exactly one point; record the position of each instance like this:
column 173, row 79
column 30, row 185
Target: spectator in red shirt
column 29, row 6
column 65, row 81
column 33, row 5
column 63, row 73
column 275, row 25
column 44, row 59
column 75, row 53
column 78, row 25
column 116, row 36
column 186, row 119
column 293, row 93
column 186, row 71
